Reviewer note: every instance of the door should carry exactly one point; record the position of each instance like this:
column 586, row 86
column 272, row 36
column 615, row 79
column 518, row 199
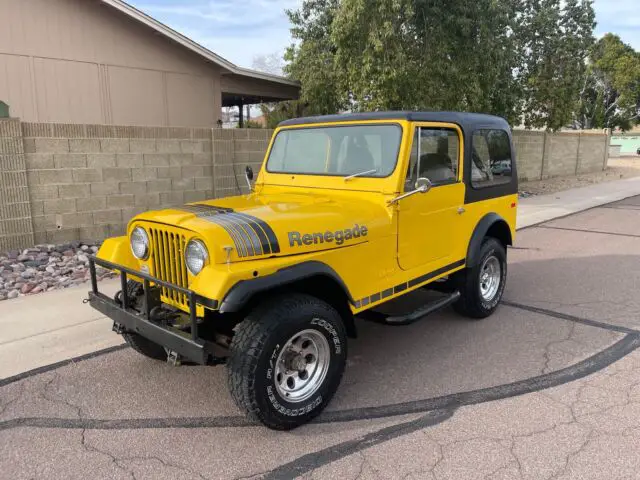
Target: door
column 428, row 222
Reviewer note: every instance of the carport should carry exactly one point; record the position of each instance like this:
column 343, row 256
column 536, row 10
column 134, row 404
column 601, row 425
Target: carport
column 248, row 87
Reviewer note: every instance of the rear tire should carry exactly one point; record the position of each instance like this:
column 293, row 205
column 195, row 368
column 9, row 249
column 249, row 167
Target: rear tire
column 286, row 360
column 482, row 285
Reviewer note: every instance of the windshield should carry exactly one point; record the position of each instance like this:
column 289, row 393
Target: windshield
column 340, row 150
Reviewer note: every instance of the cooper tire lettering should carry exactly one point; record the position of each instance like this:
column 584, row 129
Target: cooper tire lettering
column 258, row 347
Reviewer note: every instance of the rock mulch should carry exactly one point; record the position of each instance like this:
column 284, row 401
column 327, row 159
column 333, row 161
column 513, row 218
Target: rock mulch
column 526, row 194
column 46, row 267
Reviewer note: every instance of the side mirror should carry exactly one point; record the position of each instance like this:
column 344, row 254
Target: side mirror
column 248, row 176
column 423, row 185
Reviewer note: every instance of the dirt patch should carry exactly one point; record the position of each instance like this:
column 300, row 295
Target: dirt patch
column 623, row 167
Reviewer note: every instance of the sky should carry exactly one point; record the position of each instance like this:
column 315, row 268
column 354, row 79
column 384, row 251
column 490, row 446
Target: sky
column 239, row 30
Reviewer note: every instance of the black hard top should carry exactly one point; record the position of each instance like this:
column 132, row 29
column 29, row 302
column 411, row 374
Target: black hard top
column 468, row 121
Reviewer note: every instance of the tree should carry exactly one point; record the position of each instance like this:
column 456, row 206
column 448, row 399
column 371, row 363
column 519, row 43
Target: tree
column 515, row 58
column 610, row 97
column 272, row 63
column 554, row 40
column 274, row 113
column 312, row 60
column 420, row 54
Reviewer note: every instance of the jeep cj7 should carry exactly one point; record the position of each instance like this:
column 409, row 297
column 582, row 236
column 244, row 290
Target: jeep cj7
column 347, row 213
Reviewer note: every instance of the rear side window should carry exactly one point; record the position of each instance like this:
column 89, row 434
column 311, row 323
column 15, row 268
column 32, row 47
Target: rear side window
column 490, row 158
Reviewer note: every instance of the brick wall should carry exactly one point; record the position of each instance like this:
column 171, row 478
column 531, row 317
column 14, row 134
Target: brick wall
column 87, row 181
column 15, row 210
column 63, row 182
column 529, row 148
column 233, row 150
column 543, row 155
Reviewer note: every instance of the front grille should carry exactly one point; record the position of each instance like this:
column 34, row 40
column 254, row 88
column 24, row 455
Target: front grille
column 168, row 263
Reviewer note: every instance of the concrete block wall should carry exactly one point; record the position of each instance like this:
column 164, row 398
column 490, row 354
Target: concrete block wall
column 561, row 152
column 86, row 182
column 64, row 182
column 529, row 147
column 15, row 210
column 543, row 155
column 234, row 150
column 593, row 153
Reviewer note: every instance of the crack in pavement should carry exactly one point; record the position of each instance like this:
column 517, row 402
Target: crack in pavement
column 8, row 403
column 118, row 460
column 547, row 349
column 62, row 400
column 89, row 448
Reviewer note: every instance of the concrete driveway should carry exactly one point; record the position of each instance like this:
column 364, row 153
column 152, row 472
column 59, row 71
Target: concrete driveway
column 548, row 387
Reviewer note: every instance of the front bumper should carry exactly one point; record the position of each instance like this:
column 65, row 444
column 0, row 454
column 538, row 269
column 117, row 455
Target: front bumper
column 189, row 346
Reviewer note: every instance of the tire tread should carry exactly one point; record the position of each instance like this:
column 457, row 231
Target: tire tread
column 248, row 342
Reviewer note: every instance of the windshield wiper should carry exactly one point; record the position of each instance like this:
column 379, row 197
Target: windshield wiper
column 360, row 174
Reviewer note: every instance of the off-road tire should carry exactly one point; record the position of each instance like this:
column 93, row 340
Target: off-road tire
column 256, row 346
column 145, row 346
column 140, row 344
column 471, row 303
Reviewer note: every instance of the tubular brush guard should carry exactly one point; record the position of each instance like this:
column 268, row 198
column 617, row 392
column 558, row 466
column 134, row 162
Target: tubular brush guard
column 126, row 319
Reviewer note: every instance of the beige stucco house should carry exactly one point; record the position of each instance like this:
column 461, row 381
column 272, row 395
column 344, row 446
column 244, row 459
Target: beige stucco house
column 105, row 62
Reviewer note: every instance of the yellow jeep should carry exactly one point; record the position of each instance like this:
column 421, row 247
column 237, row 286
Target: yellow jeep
column 348, row 212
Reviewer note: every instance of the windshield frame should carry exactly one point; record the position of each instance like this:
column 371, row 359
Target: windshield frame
column 396, row 124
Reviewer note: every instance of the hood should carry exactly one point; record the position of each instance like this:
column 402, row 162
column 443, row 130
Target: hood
column 267, row 225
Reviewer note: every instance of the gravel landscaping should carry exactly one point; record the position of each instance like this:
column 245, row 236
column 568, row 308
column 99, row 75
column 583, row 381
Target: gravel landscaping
column 46, row 267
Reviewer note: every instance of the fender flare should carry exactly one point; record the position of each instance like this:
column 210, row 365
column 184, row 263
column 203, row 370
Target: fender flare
column 480, row 232
column 243, row 291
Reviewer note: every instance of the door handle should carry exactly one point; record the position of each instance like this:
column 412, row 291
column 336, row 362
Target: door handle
column 461, row 210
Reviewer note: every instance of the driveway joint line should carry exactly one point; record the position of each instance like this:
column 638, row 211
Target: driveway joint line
column 62, row 363
column 588, row 366
column 571, row 318
column 52, row 331
column 551, row 227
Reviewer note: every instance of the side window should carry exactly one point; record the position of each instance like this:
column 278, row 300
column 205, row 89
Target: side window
column 490, row 158
column 434, row 155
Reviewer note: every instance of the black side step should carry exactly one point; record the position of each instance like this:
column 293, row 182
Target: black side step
column 414, row 316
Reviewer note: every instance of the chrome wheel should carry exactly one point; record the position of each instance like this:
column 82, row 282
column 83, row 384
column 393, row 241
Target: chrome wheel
column 490, row 277
column 302, row 366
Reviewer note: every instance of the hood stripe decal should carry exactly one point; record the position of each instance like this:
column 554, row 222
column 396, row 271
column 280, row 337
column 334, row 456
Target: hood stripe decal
column 251, row 236
column 261, row 243
column 265, row 232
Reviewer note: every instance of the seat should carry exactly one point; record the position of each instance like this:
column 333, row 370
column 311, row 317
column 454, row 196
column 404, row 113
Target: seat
column 436, row 167
column 359, row 159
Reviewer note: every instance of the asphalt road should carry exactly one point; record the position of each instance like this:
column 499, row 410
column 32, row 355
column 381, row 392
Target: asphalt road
column 548, row 387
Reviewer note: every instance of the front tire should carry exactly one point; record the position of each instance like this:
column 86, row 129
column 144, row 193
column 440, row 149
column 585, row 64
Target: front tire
column 286, row 360
column 140, row 344
column 145, row 346
column 482, row 285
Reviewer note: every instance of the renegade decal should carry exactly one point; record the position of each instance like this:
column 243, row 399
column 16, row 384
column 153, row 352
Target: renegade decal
column 250, row 235
column 296, row 239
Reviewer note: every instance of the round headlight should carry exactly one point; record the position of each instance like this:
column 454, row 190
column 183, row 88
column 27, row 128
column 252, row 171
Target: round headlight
column 196, row 256
column 139, row 243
